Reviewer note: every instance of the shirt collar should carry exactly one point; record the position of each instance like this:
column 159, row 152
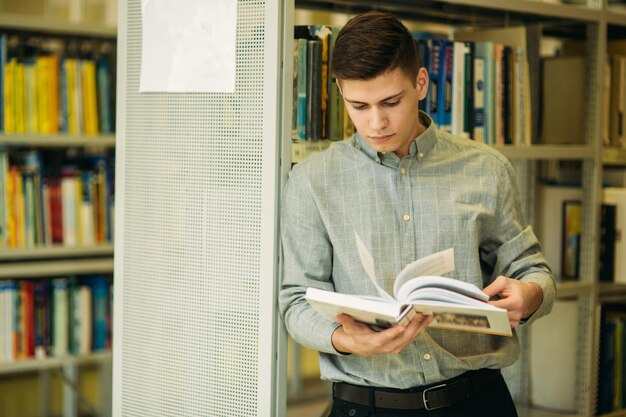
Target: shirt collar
column 420, row 145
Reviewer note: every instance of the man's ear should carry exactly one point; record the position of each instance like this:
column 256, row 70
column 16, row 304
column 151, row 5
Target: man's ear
column 422, row 82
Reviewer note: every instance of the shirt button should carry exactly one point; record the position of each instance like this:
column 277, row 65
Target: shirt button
column 427, row 356
column 406, row 217
column 402, row 171
column 421, row 154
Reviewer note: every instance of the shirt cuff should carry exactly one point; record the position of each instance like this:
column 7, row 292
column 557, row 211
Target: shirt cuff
column 548, row 287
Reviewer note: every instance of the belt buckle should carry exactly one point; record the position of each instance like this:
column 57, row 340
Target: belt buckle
column 425, row 400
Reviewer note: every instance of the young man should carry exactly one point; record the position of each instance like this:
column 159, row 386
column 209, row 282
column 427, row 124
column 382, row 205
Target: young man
column 409, row 190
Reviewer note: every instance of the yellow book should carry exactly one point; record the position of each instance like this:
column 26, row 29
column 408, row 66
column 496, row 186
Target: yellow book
column 11, row 226
column 20, row 99
column 70, row 83
column 30, row 96
column 43, row 96
column 20, row 210
column 54, row 111
column 9, row 96
column 90, row 109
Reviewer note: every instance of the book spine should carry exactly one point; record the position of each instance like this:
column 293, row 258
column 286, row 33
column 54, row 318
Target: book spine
column 479, row 100
column 314, row 91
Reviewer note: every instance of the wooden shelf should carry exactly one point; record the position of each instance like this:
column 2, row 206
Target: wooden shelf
column 56, row 251
column 573, row 289
column 56, row 268
column 616, row 15
column 614, row 156
column 546, row 152
column 474, row 12
column 530, row 411
column 57, row 141
column 55, row 26
column 33, row 365
column 301, row 150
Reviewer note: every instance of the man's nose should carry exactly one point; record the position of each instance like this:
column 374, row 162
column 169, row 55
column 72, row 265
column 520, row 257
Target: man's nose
column 378, row 119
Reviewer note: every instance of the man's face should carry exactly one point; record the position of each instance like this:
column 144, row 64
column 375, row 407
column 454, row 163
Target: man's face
column 384, row 109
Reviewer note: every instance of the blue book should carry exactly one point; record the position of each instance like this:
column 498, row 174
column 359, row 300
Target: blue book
column 104, row 96
column 301, row 121
column 484, row 51
column 435, row 90
column 100, row 335
column 445, row 91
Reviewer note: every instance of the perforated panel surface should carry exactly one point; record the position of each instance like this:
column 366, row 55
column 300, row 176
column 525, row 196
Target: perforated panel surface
column 198, row 184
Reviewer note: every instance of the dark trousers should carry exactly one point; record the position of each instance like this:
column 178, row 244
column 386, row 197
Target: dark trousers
column 492, row 400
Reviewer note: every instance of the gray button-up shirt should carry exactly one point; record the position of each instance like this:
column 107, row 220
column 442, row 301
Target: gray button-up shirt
column 448, row 192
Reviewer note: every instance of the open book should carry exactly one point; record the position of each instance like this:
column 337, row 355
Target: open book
column 419, row 287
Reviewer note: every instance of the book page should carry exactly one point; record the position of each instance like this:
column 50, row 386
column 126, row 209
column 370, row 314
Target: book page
column 414, row 287
column 368, row 264
column 436, row 264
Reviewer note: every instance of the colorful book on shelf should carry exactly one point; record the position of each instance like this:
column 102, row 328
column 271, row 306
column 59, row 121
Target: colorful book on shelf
column 419, row 287
column 3, row 61
column 101, row 316
column 617, row 196
column 314, row 90
column 608, row 236
column 446, row 94
column 20, row 99
column 42, row 319
column 60, row 317
column 4, row 202
column 48, row 93
column 9, row 71
column 570, row 240
column 435, row 89
column 485, row 53
column 301, row 123
column 90, row 106
column 31, row 108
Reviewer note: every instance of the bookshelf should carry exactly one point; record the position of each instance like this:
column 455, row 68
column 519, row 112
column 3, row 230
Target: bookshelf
column 25, row 39
column 594, row 23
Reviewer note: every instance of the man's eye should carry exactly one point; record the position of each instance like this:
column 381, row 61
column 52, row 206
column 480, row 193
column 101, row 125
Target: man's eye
column 359, row 107
column 392, row 103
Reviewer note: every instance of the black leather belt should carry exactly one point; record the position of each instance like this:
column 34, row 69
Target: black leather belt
column 428, row 398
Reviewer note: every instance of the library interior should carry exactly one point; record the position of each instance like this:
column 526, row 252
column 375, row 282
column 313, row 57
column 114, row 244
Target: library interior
column 144, row 149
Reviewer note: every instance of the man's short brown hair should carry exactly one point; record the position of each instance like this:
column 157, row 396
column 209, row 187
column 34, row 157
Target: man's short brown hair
column 372, row 44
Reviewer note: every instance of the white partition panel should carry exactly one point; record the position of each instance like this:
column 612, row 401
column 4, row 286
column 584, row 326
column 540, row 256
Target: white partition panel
column 196, row 254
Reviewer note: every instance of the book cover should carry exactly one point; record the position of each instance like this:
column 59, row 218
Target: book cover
column 570, row 239
column 608, row 234
column 314, row 90
column 419, row 287
column 459, row 91
column 105, row 110
column 100, row 336
column 479, row 125
column 563, row 106
column 301, row 122
column 617, row 196
column 60, row 317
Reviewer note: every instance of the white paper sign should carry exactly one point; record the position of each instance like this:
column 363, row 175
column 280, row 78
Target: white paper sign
column 188, row 46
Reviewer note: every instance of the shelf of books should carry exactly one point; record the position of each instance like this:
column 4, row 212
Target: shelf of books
column 56, row 251
column 24, row 23
column 56, row 267
column 54, row 322
column 36, row 365
column 56, row 140
column 513, row 80
column 57, row 164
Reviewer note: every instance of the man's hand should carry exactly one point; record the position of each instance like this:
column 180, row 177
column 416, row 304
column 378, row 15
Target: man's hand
column 520, row 299
column 358, row 338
